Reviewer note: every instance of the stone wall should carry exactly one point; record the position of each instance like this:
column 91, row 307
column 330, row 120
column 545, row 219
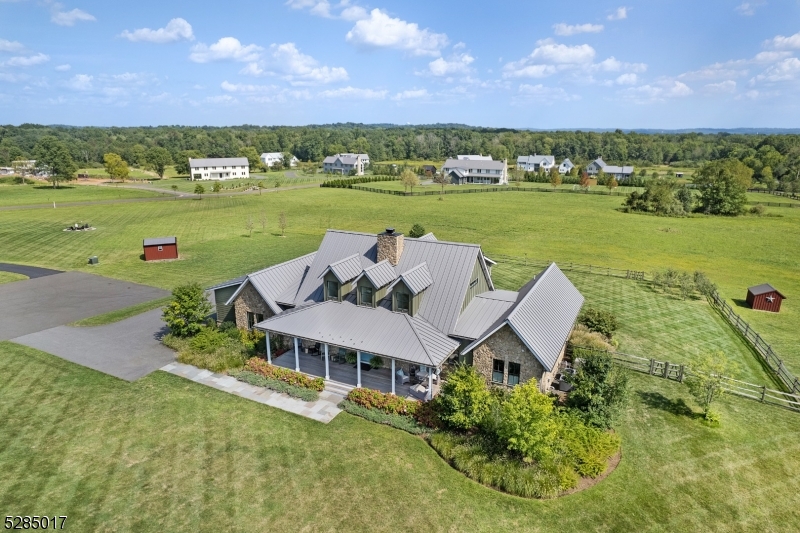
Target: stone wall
column 390, row 247
column 249, row 301
column 505, row 345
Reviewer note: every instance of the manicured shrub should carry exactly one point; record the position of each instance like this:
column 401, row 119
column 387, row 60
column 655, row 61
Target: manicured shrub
column 600, row 388
column 599, row 320
column 428, row 414
column 581, row 336
column 527, row 424
column 586, row 449
column 209, row 339
column 258, row 380
column 187, row 311
column 464, row 398
column 351, row 358
column 263, row 368
column 403, row 422
column 416, row 231
column 388, row 403
column 376, row 362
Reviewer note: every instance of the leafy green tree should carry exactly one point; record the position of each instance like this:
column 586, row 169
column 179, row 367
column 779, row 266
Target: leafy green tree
column 527, row 423
column 612, row 183
column 287, row 160
column 464, row 398
column 115, row 166
column 706, row 378
column 602, row 178
column 441, row 180
column 253, row 159
column 723, row 187
column 416, row 231
column 555, row 179
column 158, row 159
column 409, row 179
column 186, row 313
column 599, row 320
column 53, row 154
column 768, row 179
column 216, row 187
column 182, row 167
column 703, row 285
column 174, row 189
column 199, row 190
column 686, row 198
column 600, row 389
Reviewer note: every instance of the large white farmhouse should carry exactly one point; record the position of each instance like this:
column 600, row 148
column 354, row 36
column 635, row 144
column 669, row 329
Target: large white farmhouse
column 219, row 168
column 270, row 158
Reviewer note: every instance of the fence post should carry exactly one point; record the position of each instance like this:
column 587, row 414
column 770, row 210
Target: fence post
column 652, row 366
column 666, row 370
column 763, row 393
column 680, row 374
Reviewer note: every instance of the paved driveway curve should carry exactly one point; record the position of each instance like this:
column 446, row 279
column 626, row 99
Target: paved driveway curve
column 30, row 271
column 128, row 349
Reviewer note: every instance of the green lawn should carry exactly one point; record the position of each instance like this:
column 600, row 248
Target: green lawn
column 167, row 454
column 7, row 277
column 46, row 194
column 234, row 185
column 121, row 314
column 397, row 186
column 133, row 173
column 734, row 252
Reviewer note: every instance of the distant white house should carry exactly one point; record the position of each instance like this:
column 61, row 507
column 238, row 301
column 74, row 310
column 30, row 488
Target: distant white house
column 345, row 164
column 565, row 166
column 270, row 158
column 619, row 173
column 5, row 171
column 219, row 168
column 533, row 163
column 476, row 169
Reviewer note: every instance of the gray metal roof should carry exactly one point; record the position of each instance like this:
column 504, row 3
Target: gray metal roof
column 229, row 283
column 542, row 316
column 158, row 241
column 380, row 274
column 416, row 279
column 475, row 157
column 272, row 281
column 600, row 162
column 449, row 265
column 467, row 164
column 536, row 159
column 482, row 312
column 566, row 163
column 376, row 331
column 429, row 237
column 763, row 289
column 219, row 162
column 345, row 269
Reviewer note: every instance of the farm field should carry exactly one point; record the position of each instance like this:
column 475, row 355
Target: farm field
column 166, row 454
column 8, row 277
column 214, row 243
column 233, row 185
column 46, row 194
column 427, row 186
column 133, row 173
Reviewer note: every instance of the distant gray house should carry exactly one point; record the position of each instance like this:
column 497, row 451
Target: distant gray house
column 482, row 170
column 345, row 163
column 619, row 173
column 533, row 163
column 565, row 167
column 417, row 304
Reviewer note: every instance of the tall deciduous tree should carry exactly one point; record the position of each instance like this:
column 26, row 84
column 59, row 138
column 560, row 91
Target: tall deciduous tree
column 253, row 159
column 158, row 159
column 600, row 389
column 182, row 164
column 409, row 179
column 53, row 154
column 555, row 179
column 115, row 166
column 723, row 187
column 464, row 399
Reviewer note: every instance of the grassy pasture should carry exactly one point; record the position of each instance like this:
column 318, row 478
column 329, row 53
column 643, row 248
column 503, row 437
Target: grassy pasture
column 233, row 185
column 167, row 454
column 8, row 277
column 46, row 194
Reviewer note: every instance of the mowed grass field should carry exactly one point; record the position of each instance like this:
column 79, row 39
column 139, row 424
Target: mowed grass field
column 167, row 454
column 11, row 195
column 214, row 244
column 8, row 277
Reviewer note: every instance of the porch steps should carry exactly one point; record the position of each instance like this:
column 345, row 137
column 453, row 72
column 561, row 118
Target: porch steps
column 337, row 387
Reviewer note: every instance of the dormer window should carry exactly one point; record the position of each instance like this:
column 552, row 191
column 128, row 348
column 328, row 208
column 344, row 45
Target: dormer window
column 365, row 295
column 402, row 302
column 331, row 290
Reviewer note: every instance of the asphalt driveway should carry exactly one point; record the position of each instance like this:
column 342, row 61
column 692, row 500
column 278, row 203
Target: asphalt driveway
column 30, row 271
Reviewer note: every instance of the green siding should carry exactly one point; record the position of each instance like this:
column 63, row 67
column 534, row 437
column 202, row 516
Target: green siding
column 481, row 286
column 377, row 294
column 225, row 313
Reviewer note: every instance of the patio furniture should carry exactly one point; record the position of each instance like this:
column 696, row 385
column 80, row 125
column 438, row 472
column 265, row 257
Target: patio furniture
column 402, row 377
column 419, row 391
column 565, row 386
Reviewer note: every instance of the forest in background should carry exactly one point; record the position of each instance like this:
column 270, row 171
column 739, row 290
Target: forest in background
column 771, row 157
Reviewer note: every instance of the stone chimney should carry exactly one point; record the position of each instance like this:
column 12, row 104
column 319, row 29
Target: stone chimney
column 390, row 246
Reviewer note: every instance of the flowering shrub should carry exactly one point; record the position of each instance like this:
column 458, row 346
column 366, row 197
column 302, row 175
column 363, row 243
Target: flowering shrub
column 261, row 367
column 388, row 403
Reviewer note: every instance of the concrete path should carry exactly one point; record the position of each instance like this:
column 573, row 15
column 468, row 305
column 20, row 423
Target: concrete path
column 30, row 271
column 42, row 303
column 128, row 349
column 323, row 410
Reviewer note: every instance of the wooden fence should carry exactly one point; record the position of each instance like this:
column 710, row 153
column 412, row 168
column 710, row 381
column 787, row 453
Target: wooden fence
column 637, row 275
column 679, row 373
column 791, row 195
column 456, row 189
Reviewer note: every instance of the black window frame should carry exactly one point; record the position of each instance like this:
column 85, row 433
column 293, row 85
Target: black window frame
column 400, row 309
column 361, row 290
column 253, row 319
column 335, row 295
column 513, row 377
column 498, row 367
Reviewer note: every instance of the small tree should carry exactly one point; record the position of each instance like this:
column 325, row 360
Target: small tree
column 527, row 423
column 517, row 177
column 703, row 285
column 442, row 180
column 416, row 231
column 555, row 178
column 601, row 177
column 260, row 186
column 584, row 183
column 686, row 284
column 277, row 183
column 706, row 378
column 53, row 155
column 199, row 190
column 282, row 223
column 248, row 225
column 263, row 219
column 115, row 167
column 600, row 389
column 612, row 183
column 464, row 398
column 187, row 311
column 216, row 187
column 174, row 189
column 409, row 179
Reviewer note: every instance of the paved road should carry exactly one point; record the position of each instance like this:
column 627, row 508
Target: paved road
column 129, row 349
column 30, row 271
column 33, row 305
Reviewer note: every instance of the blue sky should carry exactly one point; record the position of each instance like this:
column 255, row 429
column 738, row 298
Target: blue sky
column 566, row 64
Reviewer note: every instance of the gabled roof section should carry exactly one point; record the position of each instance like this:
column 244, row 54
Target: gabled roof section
column 345, row 269
column 416, row 279
column 158, row 241
column 482, row 312
column 229, row 283
column 428, row 237
column 379, row 274
column 272, row 281
column 542, row 317
column 763, row 289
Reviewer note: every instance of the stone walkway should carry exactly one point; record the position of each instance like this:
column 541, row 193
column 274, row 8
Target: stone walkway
column 323, row 410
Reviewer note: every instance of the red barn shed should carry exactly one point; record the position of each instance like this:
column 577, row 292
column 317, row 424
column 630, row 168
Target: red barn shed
column 765, row 297
column 160, row 248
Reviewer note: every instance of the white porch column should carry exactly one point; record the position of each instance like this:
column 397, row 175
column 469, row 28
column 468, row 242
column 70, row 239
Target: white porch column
column 269, row 350
column 394, row 376
column 296, row 355
column 358, row 369
column 327, row 364
column 430, row 383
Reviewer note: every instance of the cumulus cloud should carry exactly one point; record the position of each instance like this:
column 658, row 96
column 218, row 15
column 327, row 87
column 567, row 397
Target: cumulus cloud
column 567, row 29
column 323, row 8
column 226, row 49
column 63, row 68
column 661, row 91
column 727, row 86
column 246, row 87
column 457, row 64
column 788, row 69
column 220, row 99
column 785, row 43
column 27, row 61
column 59, row 16
column 748, row 9
column 10, row 46
column 627, row 79
column 382, row 31
column 548, row 58
column 543, row 93
column 612, row 64
column 287, row 62
column 176, row 29
column 411, row 94
column 353, row 93
column 620, row 14
column 80, row 82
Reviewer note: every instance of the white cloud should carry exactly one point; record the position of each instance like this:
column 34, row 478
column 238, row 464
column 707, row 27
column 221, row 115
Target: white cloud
column 176, row 29
column 81, row 82
column 679, row 89
column 657, row 93
column 620, row 14
column 354, row 93
column 727, row 86
column 612, row 64
column 541, row 92
column 12, row 78
column 226, row 49
column 548, row 58
column 748, row 9
column 246, row 87
column 287, row 62
column 64, row 68
column 354, row 13
column 567, row 29
column 627, row 79
column 411, row 94
column 382, row 31
column 780, row 42
column 68, row 18
column 323, row 8
column 459, row 46
column 752, row 94
column 530, row 71
column 220, row 99
column 27, row 61
column 788, row 69
column 457, row 64
column 10, row 46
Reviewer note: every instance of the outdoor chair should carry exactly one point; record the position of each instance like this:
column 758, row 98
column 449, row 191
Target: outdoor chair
column 419, row 391
column 402, row 377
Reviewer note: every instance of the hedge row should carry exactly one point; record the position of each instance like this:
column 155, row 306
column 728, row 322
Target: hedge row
column 307, row 395
column 261, row 367
column 402, row 422
column 388, row 403
column 345, row 183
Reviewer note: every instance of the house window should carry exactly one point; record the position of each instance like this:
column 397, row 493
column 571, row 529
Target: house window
column 473, row 283
column 253, row 319
column 160, row 248
column 498, row 367
column 513, row 373
column 332, row 289
column 401, row 301
column 366, row 296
